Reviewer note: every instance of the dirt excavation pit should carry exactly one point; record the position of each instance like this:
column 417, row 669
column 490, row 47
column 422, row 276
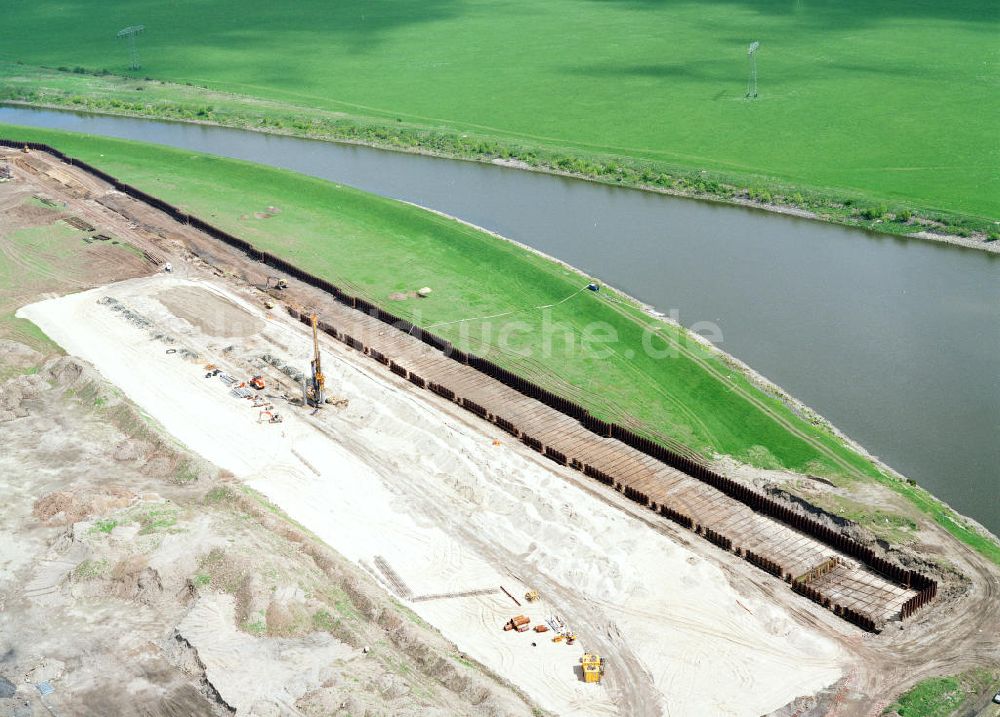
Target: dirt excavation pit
column 430, row 505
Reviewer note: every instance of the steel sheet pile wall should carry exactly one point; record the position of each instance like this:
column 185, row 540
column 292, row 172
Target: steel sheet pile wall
column 687, row 464
column 928, row 590
column 677, row 517
column 765, row 564
column 740, row 492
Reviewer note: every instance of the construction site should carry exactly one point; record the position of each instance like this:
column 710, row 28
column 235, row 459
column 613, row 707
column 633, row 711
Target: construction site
column 559, row 563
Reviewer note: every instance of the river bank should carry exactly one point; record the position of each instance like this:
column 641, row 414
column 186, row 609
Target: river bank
column 702, row 186
column 954, row 633
column 938, row 509
column 860, row 299
column 152, row 99
column 773, row 436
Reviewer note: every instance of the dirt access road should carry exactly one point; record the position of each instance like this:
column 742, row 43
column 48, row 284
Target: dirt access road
column 954, row 635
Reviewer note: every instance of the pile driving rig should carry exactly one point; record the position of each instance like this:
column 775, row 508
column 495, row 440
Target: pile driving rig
column 316, row 390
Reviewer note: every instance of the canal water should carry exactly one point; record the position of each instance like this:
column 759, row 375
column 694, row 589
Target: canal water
column 896, row 341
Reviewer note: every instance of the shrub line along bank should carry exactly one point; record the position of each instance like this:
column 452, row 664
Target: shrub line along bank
column 686, row 461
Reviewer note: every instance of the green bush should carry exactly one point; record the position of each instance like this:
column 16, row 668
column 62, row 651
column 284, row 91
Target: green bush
column 105, row 526
column 872, row 213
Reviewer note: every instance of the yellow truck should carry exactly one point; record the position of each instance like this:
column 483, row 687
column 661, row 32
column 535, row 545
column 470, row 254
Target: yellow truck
column 593, row 667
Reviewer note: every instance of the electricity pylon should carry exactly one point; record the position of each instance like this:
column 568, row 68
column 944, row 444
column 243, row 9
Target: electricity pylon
column 129, row 34
column 752, row 79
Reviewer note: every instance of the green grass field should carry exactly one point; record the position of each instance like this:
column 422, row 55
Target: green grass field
column 936, row 697
column 379, row 248
column 31, row 260
column 896, row 101
column 944, row 696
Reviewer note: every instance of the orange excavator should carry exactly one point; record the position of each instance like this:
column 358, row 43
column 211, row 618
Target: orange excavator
column 316, row 393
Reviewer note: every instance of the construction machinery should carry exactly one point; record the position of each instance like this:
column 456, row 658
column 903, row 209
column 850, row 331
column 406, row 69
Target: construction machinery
column 593, row 667
column 257, row 382
column 521, row 623
column 531, row 595
column 316, row 390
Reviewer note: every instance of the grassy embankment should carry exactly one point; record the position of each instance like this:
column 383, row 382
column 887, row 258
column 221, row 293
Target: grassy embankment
column 867, row 114
column 32, row 260
column 943, row 696
column 380, row 248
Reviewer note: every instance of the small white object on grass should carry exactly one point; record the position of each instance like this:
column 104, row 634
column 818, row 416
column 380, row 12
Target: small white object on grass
column 424, row 291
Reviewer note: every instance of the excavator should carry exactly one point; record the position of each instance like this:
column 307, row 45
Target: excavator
column 316, row 391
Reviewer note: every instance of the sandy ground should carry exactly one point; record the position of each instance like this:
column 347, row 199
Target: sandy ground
column 137, row 581
column 114, row 626
column 248, row 671
column 397, row 480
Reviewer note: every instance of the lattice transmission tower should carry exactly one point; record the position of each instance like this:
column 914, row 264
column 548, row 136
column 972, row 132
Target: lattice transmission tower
column 752, row 77
column 129, row 34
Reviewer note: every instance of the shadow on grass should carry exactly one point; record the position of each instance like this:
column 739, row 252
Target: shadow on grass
column 839, row 15
column 734, row 66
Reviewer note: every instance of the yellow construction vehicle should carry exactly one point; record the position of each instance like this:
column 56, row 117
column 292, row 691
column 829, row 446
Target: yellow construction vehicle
column 316, row 394
column 531, row 595
column 593, row 667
